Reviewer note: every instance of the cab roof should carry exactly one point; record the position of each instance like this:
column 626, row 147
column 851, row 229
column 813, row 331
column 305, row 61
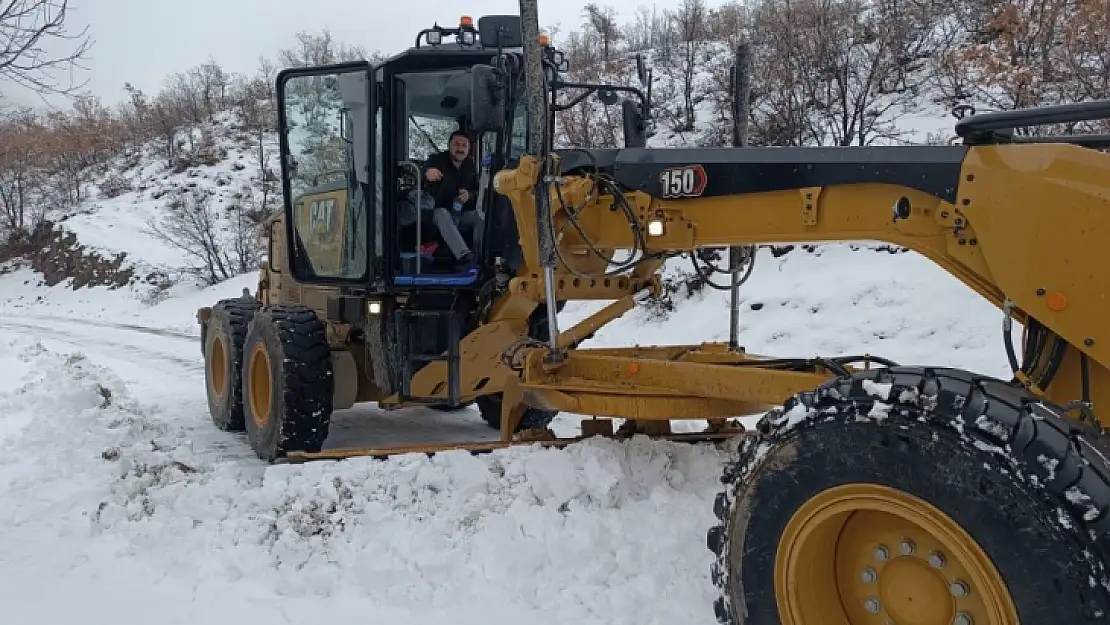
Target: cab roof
column 491, row 30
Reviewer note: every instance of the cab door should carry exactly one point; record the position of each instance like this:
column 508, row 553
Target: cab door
column 326, row 130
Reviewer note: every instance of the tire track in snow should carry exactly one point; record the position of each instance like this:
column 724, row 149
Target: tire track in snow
column 83, row 334
column 115, row 325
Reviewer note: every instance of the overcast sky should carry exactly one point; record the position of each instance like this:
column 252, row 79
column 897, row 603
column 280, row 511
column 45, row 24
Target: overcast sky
column 142, row 41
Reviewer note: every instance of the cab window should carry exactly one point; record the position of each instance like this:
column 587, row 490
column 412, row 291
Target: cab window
column 329, row 207
column 435, row 102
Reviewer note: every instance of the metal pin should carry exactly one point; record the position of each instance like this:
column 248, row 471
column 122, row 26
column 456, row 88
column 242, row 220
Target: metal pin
column 882, row 553
column 868, row 575
column 959, row 589
column 907, row 547
column 936, row 560
column 962, row 619
column 872, row 605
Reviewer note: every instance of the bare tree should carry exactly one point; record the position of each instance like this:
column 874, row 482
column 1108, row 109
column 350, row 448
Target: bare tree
column 26, row 26
column 603, row 21
column 255, row 108
column 320, row 49
column 192, row 225
column 1023, row 53
column 847, row 67
column 22, row 153
column 647, row 30
column 729, row 23
column 1086, row 56
column 691, row 23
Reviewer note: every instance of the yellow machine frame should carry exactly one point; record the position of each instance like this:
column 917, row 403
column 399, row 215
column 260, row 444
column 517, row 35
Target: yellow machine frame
column 1007, row 251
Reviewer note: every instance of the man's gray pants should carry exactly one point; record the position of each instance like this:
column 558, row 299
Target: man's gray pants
column 447, row 223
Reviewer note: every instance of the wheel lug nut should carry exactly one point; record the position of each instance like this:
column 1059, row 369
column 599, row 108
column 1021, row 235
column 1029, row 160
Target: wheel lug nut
column 907, row 547
column 962, row 619
column 868, row 575
column 872, row 605
column 959, row 589
column 881, row 553
column 936, row 560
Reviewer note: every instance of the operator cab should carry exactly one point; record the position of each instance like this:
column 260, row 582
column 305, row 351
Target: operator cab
column 436, row 132
column 364, row 213
column 381, row 220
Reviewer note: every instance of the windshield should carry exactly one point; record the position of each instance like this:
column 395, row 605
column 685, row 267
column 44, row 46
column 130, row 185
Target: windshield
column 437, row 103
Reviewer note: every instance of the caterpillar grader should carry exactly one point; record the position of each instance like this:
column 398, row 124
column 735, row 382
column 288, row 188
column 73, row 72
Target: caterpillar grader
column 870, row 492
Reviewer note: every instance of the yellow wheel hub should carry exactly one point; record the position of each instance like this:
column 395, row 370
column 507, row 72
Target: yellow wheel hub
column 261, row 393
column 217, row 367
column 863, row 554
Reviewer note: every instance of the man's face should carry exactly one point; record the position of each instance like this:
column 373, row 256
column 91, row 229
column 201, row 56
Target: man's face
column 460, row 148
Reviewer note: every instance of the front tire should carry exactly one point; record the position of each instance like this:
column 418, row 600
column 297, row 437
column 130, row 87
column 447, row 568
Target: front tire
column 925, row 496
column 489, row 406
column 288, row 383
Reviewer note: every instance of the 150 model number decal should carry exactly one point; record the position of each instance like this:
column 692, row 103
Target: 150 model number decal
column 686, row 181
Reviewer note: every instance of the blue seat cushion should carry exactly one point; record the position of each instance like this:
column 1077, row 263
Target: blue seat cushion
column 439, row 279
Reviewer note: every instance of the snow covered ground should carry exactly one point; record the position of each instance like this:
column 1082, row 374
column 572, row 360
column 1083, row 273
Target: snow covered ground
column 132, row 507
column 136, row 510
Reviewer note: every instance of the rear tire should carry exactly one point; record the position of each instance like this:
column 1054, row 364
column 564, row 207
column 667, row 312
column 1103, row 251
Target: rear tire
column 1003, row 487
column 222, row 346
column 534, row 418
column 288, row 382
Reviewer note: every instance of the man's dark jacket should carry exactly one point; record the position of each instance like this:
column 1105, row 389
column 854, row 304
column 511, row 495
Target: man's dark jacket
column 446, row 189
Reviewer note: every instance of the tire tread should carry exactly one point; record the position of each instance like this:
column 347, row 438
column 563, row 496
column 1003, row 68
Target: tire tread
column 1057, row 456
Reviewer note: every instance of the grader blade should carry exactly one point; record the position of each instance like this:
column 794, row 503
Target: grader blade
column 711, row 435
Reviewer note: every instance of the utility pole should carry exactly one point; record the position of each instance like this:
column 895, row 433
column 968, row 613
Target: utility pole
column 741, row 112
column 536, row 100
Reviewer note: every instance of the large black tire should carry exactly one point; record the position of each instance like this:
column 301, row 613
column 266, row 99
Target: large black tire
column 1013, row 473
column 489, row 406
column 222, row 346
column 288, row 382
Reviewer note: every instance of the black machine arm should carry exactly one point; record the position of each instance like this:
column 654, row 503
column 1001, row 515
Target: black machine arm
column 999, row 126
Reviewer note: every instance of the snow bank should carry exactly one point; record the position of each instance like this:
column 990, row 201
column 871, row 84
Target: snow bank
column 144, row 506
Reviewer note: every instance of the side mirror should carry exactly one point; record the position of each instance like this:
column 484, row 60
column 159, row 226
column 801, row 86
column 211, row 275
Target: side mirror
column 487, row 100
column 635, row 126
column 608, row 97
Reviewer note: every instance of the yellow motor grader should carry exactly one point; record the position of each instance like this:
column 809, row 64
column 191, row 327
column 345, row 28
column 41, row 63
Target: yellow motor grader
column 870, row 492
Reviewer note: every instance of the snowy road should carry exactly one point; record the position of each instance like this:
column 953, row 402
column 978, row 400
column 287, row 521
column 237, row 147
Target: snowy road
column 132, row 508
